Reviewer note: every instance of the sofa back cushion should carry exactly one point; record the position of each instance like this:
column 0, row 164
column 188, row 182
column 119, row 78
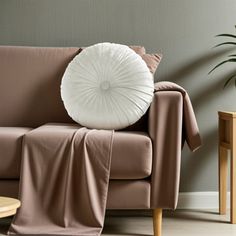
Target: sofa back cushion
column 30, row 85
column 30, row 79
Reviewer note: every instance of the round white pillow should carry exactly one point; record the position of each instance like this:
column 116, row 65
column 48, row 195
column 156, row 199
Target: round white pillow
column 107, row 86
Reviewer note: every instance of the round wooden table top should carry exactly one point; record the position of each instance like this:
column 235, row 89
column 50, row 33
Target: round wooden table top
column 8, row 206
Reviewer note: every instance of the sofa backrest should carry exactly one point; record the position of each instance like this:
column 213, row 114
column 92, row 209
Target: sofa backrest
column 30, row 85
column 30, row 79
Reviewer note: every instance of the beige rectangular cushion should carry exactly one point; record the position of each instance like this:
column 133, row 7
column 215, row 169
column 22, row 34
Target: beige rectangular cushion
column 131, row 156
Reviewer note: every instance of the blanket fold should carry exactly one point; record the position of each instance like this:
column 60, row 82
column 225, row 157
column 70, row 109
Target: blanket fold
column 64, row 181
column 191, row 132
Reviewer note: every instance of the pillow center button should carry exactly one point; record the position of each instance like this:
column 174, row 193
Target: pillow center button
column 105, row 85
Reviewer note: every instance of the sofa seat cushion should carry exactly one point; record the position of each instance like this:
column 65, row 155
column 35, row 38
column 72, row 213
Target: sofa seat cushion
column 131, row 153
column 10, row 151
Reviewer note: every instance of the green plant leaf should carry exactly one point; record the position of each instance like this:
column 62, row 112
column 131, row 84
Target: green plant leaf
column 231, row 41
column 226, row 35
column 229, row 79
column 226, row 43
column 223, row 62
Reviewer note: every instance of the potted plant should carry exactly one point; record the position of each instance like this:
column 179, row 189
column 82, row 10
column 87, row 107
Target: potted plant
column 231, row 57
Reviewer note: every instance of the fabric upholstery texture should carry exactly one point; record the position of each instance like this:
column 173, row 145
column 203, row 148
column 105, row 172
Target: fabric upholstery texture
column 34, row 76
column 131, row 155
column 191, row 130
column 107, row 86
column 165, row 129
column 171, row 122
column 129, row 194
column 10, row 151
column 37, row 74
column 64, row 181
column 124, row 194
column 138, row 49
column 152, row 61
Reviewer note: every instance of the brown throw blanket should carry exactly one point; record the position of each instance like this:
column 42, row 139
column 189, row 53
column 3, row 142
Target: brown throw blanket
column 191, row 132
column 64, row 181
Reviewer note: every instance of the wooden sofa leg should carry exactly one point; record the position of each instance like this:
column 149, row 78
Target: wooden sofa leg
column 157, row 221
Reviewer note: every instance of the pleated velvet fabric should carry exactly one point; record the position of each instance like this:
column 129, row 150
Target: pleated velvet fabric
column 64, row 181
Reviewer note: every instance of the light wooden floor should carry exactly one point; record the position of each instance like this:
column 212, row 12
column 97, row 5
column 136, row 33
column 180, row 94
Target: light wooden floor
column 178, row 223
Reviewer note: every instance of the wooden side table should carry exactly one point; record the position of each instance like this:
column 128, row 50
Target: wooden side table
column 227, row 141
column 8, row 206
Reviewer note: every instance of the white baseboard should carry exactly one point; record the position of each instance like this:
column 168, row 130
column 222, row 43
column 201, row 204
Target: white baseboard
column 200, row 200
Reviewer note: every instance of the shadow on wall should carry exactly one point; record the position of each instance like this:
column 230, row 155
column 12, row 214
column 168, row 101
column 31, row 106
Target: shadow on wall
column 178, row 76
column 210, row 92
column 207, row 154
column 199, row 161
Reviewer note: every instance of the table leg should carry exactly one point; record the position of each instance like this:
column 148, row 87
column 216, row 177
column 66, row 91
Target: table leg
column 233, row 171
column 223, row 159
column 233, row 186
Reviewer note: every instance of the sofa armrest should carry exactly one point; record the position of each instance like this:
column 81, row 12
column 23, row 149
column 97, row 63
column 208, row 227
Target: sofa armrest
column 165, row 129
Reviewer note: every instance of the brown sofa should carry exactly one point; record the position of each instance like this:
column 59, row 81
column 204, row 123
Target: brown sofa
column 144, row 175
